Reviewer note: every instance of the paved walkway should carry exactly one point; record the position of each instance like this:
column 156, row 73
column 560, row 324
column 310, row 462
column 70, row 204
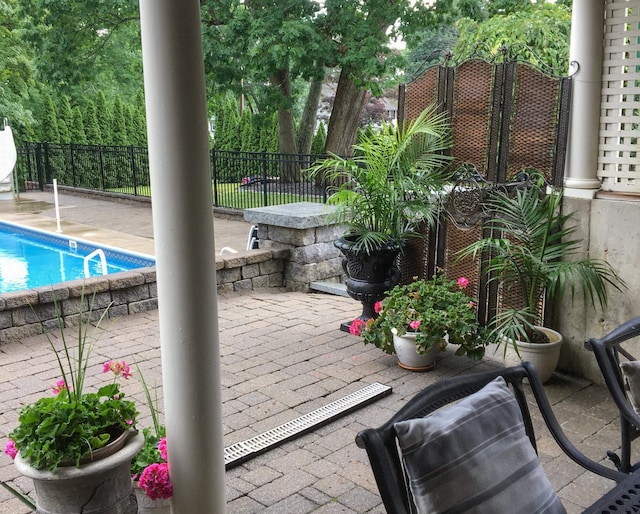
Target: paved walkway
column 283, row 355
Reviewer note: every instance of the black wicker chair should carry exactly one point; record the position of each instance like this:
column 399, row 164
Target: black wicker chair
column 382, row 449
column 609, row 354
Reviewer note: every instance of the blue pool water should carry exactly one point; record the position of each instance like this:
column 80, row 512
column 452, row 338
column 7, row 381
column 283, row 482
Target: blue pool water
column 31, row 259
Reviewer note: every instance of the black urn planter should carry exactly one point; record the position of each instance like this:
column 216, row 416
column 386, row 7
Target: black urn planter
column 369, row 274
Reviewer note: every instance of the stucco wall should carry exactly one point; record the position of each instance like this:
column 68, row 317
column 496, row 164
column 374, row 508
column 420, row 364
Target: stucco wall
column 612, row 229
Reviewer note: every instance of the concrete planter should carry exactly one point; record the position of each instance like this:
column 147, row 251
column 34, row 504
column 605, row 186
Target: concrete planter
column 100, row 487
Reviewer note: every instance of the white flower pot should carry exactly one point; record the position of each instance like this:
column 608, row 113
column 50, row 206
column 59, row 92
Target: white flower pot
column 408, row 356
column 544, row 356
column 148, row 506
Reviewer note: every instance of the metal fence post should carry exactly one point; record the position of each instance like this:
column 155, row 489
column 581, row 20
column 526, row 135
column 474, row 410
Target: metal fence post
column 214, row 175
column 73, row 165
column 101, row 154
column 133, row 170
column 265, row 196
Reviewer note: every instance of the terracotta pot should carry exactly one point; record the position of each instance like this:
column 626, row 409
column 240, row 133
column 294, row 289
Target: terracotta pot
column 408, row 356
column 99, row 487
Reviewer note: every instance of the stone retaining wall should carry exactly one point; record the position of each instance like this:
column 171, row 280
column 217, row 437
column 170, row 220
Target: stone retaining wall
column 27, row 313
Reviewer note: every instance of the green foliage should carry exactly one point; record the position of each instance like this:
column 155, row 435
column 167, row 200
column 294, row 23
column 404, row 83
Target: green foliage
column 319, row 139
column 246, row 132
column 433, row 309
column 16, row 71
column 62, row 428
column 390, row 185
column 103, row 117
column 49, row 131
column 91, row 127
column 119, row 134
column 77, row 134
column 532, row 256
column 543, row 28
column 149, row 454
column 65, row 120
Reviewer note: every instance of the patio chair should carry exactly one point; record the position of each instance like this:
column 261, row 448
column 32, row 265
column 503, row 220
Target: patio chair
column 621, row 372
column 478, row 454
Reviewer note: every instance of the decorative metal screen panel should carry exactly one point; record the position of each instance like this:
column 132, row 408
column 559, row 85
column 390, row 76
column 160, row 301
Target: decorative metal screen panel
column 618, row 165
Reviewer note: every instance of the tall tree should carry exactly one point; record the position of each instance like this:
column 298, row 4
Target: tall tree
column 78, row 135
column 361, row 31
column 78, row 44
column 91, row 126
column 540, row 33
column 16, row 71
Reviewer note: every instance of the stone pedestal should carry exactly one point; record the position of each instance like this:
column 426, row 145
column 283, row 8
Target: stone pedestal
column 302, row 229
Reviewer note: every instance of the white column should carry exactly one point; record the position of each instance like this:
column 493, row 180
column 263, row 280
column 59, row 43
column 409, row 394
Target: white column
column 184, row 246
column 587, row 25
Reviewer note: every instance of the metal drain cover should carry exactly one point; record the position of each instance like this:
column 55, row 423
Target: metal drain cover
column 240, row 452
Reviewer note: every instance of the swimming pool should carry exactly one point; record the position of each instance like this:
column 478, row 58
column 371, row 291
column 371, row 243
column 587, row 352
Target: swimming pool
column 30, row 258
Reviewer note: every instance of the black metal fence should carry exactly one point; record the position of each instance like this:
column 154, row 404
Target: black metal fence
column 239, row 180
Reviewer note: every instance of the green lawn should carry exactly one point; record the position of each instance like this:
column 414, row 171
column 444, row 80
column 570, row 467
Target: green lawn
column 231, row 196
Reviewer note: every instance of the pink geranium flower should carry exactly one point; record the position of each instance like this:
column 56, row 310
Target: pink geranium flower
column 356, row 327
column 10, row 448
column 117, row 368
column 60, row 386
column 377, row 307
column 415, row 324
column 463, row 282
column 162, row 448
column 155, row 481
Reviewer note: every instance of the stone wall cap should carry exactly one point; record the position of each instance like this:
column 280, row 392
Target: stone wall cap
column 300, row 215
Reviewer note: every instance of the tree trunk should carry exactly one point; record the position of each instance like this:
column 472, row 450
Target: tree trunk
column 286, row 126
column 345, row 116
column 309, row 117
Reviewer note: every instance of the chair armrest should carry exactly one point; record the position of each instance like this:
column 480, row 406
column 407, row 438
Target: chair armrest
column 558, row 434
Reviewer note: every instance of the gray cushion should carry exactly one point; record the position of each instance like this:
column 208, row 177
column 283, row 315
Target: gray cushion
column 631, row 373
column 475, row 457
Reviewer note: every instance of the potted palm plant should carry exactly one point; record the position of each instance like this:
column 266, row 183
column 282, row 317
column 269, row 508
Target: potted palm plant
column 529, row 259
column 382, row 194
column 417, row 320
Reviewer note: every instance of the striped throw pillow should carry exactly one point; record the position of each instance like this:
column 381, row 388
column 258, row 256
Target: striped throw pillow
column 475, row 457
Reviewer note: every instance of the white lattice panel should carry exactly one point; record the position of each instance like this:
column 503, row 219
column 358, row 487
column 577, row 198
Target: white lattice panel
column 618, row 158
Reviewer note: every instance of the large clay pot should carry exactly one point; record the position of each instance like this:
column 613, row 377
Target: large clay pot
column 369, row 274
column 544, row 356
column 408, row 356
column 99, row 487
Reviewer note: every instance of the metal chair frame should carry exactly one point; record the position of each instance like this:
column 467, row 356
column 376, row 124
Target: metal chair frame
column 381, row 444
column 608, row 351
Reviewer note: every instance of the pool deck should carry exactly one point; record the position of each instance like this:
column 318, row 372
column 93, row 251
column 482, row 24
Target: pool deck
column 282, row 356
column 122, row 224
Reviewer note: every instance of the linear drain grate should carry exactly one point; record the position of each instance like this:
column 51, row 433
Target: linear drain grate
column 240, row 452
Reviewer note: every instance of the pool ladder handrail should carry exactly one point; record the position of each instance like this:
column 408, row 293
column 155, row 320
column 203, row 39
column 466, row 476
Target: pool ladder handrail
column 103, row 262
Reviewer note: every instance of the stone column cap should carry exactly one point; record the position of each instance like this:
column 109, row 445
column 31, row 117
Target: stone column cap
column 299, row 215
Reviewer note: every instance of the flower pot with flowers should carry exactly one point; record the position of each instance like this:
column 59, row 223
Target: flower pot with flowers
column 77, row 446
column 150, row 469
column 430, row 313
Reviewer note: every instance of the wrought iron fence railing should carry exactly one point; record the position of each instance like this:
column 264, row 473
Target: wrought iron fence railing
column 239, row 180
